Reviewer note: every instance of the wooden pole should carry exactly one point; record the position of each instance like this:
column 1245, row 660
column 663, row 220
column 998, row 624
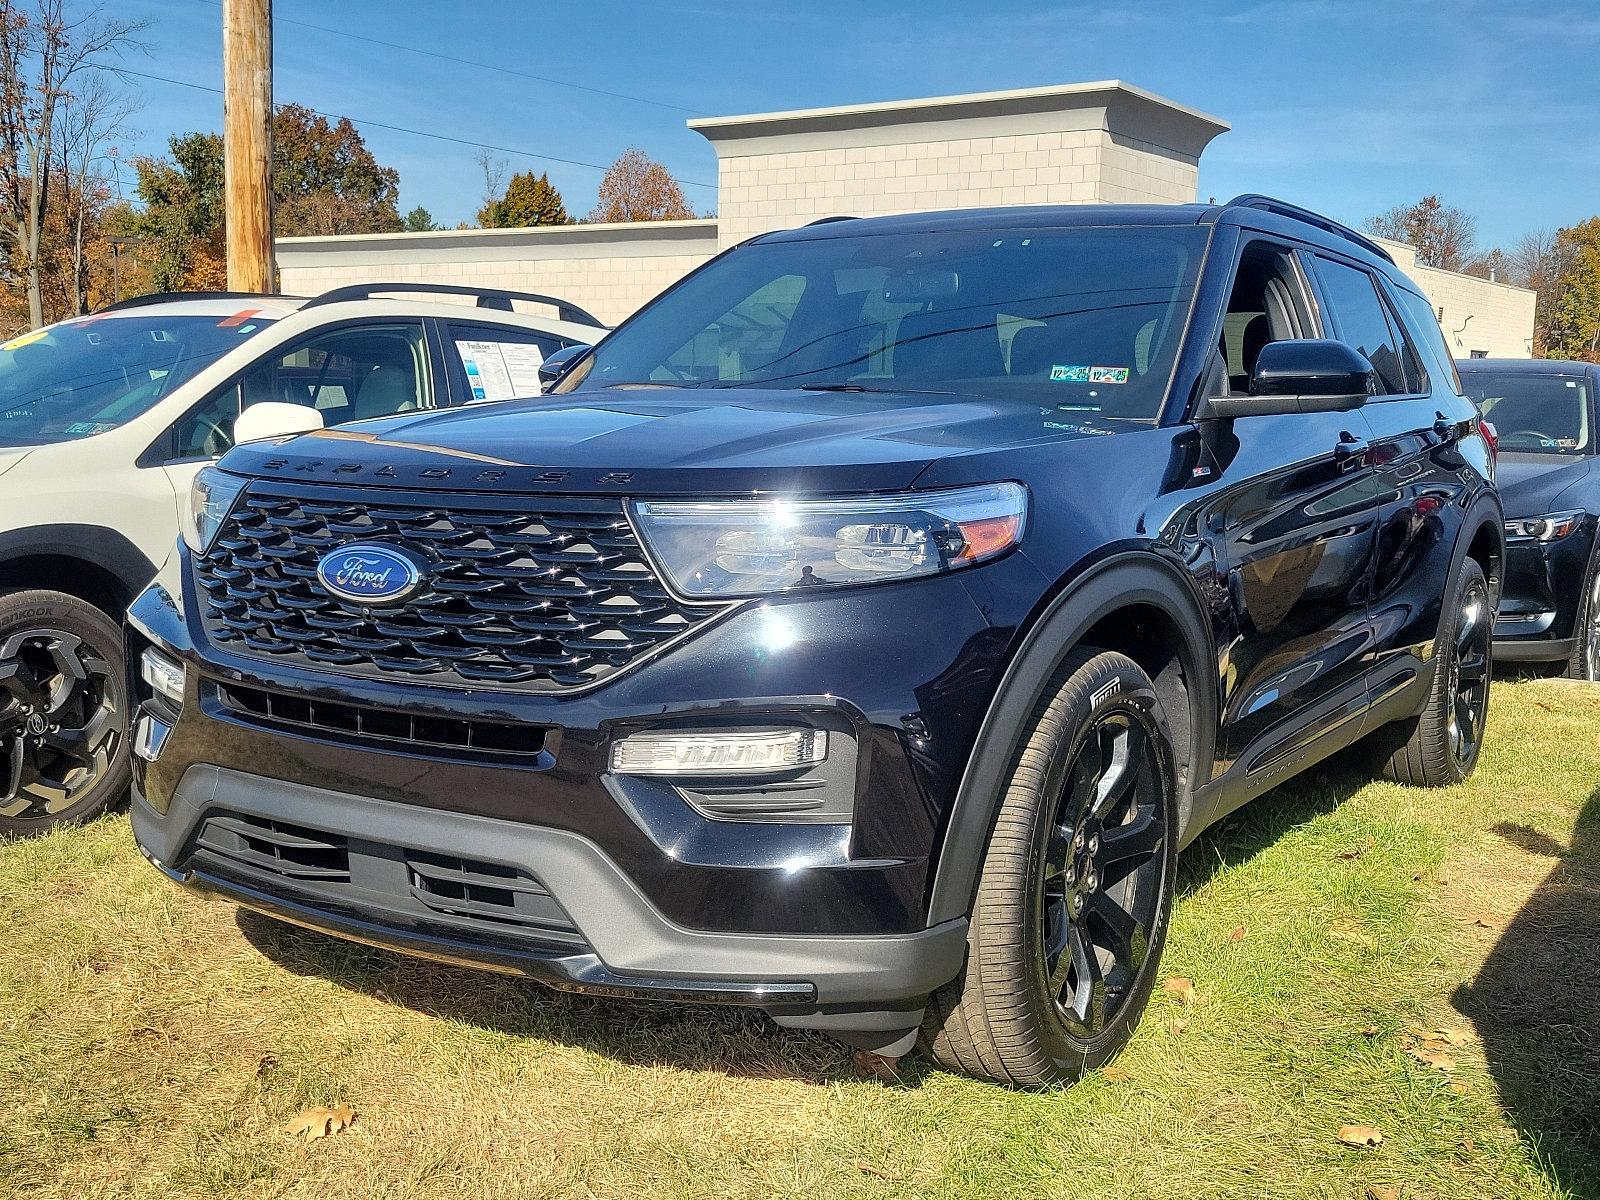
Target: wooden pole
column 247, row 142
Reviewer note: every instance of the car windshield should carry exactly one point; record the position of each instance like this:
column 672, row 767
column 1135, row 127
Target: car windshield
column 1084, row 319
column 92, row 374
column 1533, row 414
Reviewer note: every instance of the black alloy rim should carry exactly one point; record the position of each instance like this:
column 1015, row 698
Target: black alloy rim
column 1469, row 674
column 60, row 724
column 1104, row 871
column 1591, row 650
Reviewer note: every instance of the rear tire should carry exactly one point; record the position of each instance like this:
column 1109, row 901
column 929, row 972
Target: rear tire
column 63, row 712
column 1440, row 746
column 1076, row 888
column 1585, row 661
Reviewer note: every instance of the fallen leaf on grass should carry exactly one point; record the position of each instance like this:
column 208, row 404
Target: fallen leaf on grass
column 321, row 1122
column 876, row 1066
column 1369, row 1031
column 1376, row 1191
column 1115, row 1073
column 1435, row 1058
column 1179, row 1025
column 1237, row 935
column 268, row 1061
column 1355, row 852
column 1364, row 1137
column 1450, row 1037
column 1460, row 1088
column 1183, row 989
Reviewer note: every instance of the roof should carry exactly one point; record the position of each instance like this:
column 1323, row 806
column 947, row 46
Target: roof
column 1022, row 216
column 1527, row 366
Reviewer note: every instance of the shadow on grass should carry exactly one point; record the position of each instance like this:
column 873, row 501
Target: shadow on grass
column 733, row 1040
column 1536, row 1005
column 483, row 1005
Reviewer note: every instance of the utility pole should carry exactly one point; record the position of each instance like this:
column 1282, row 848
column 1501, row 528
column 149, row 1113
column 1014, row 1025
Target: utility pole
column 247, row 142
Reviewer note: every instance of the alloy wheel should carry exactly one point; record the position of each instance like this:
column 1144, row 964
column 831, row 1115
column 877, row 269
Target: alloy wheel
column 1469, row 674
column 1101, row 887
column 59, row 722
column 1591, row 649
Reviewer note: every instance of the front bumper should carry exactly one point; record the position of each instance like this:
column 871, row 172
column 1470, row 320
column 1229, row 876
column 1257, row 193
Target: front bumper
column 617, row 884
column 625, row 947
column 1543, row 594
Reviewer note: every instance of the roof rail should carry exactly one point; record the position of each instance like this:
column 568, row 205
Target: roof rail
column 832, row 219
column 1284, row 209
column 495, row 298
column 164, row 297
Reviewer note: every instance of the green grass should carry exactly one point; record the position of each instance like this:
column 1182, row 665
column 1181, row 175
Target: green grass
column 152, row 1044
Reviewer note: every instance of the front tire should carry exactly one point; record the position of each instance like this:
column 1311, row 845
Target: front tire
column 1076, row 889
column 1585, row 661
column 63, row 712
column 1440, row 746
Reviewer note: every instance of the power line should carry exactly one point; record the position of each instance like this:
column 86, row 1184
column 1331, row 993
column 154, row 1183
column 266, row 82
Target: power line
column 440, row 137
column 468, row 62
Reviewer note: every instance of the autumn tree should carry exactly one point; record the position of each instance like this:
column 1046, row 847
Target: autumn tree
column 637, row 188
column 420, row 220
column 1443, row 234
column 47, row 57
column 1536, row 261
column 529, row 200
column 1575, row 306
column 325, row 181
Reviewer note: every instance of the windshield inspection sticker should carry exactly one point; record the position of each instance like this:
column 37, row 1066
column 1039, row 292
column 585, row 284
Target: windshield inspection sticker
column 1061, row 374
column 1108, row 374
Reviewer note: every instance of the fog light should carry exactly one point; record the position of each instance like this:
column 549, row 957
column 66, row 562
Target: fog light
column 734, row 752
column 164, row 676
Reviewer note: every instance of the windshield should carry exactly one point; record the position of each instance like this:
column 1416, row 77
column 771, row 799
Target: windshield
column 1533, row 414
column 92, row 374
column 1081, row 319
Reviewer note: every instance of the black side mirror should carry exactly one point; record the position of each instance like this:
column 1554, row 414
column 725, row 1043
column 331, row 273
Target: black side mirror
column 1302, row 376
column 554, row 367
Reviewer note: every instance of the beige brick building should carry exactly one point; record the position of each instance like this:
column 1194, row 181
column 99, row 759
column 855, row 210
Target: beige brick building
column 1086, row 143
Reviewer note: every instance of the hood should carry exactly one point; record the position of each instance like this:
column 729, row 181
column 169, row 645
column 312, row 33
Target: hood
column 699, row 441
column 10, row 456
column 1534, row 484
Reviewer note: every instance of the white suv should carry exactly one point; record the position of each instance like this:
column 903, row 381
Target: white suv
column 104, row 421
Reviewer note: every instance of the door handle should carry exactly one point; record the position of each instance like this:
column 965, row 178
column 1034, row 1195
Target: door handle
column 1349, row 449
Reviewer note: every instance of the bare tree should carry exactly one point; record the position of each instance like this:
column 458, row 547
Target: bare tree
column 494, row 176
column 1537, row 262
column 94, row 116
column 1443, row 234
column 43, row 55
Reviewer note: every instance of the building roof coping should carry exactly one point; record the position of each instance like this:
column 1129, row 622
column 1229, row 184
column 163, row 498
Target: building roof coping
column 600, row 231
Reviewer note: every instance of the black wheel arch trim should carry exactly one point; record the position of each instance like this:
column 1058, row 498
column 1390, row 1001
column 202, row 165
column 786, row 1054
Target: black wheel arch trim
column 101, row 550
column 1125, row 579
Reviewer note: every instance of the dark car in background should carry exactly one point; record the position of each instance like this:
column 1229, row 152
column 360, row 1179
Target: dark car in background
column 857, row 633
column 1545, row 413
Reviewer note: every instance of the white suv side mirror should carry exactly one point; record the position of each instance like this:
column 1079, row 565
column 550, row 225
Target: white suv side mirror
column 273, row 419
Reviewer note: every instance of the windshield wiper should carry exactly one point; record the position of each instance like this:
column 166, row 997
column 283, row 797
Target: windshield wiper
column 862, row 387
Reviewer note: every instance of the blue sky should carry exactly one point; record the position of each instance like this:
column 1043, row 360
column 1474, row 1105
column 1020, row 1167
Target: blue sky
column 1343, row 105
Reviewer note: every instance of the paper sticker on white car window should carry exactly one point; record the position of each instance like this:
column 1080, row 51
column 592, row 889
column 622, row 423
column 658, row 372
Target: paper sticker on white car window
column 500, row 370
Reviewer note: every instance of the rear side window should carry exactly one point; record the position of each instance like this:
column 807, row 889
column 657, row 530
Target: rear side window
column 1358, row 312
column 502, row 363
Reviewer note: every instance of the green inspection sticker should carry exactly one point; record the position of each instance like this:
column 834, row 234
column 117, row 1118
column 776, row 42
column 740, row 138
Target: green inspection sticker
column 1061, row 374
column 1108, row 374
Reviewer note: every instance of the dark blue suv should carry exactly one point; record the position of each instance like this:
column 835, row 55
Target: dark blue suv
column 856, row 633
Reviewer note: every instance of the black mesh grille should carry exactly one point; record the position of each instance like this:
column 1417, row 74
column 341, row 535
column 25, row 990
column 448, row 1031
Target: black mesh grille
column 537, row 593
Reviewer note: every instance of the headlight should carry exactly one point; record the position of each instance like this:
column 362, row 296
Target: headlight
column 1544, row 529
column 730, row 548
column 210, row 497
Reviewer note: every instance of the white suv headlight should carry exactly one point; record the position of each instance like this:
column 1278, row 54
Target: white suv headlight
column 210, row 497
column 720, row 549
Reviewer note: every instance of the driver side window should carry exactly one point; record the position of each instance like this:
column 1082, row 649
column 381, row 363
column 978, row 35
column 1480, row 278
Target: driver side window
column 1267, row 304
column 347, row 374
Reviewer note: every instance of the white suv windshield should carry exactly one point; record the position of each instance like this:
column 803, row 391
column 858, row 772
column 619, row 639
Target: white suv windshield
column 1085, row 319
column 92, row 374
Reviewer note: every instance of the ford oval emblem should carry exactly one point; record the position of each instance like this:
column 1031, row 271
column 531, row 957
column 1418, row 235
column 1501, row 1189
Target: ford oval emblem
column 370, row 573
